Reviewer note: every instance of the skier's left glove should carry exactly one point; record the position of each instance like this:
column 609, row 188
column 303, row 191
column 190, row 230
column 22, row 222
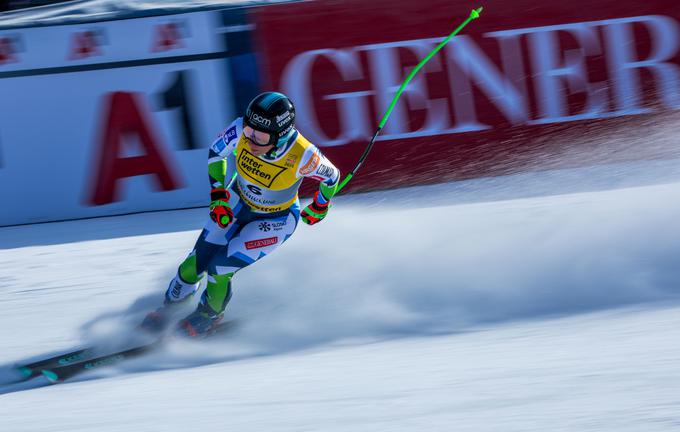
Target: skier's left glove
column 316, row 211
column 220, row 210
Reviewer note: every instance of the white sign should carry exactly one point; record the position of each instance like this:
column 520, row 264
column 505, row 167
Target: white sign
column 111, row 117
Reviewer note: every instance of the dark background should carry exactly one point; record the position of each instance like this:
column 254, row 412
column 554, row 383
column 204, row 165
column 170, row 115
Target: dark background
column 8, row 5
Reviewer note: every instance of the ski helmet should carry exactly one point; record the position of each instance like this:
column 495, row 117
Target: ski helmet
column 273, row 113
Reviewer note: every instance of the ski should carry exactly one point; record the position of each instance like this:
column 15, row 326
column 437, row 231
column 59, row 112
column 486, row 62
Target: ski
column 60, row 368
column 30, row 370
column 58, row 373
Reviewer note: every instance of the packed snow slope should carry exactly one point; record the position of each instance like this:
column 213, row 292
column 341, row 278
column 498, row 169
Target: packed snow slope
column 405, row 310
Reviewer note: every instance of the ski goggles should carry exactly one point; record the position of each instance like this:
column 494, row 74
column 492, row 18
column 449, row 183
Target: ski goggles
column 257, row 138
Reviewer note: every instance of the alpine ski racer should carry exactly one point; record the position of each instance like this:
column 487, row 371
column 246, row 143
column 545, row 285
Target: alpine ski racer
column 255, row 167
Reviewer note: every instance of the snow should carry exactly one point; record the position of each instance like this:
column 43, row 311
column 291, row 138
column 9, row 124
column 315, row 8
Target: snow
column 599, row 372
column 406, row 310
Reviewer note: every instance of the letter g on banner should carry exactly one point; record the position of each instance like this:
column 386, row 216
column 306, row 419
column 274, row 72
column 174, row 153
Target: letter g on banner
column 296, row 81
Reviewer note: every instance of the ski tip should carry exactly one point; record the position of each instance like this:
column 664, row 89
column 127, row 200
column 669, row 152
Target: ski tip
column 51, row 376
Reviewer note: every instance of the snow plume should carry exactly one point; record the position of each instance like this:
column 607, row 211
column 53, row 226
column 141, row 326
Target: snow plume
column 393, row 270
column 384, row 265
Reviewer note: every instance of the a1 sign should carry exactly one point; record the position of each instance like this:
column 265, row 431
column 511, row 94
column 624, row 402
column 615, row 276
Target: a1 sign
column 114, row 116
column 125, row 118
column 176, row 96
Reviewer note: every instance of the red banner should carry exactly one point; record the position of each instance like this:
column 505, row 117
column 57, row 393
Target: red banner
column 529, row 86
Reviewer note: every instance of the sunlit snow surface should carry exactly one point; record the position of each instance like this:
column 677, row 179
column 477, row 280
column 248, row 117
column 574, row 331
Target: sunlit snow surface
column 435, row 308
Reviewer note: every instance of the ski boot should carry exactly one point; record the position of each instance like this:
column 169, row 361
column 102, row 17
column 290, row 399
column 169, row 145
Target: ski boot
column 207, row 316
column 156, row 321
column 201, row 322
column 178, row 293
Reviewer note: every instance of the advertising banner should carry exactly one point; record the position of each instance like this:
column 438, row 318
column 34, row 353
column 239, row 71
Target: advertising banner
column 115, row 117
column 529, row 86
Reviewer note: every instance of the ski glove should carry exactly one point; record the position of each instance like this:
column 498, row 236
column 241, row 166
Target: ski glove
column 316, row 211
column 220, row 210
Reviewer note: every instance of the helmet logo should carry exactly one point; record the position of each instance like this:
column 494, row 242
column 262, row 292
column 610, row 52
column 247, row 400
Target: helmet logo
column 261, row 120
column 282, row 119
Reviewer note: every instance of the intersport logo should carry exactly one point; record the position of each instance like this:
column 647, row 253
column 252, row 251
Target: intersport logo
column 311, row 165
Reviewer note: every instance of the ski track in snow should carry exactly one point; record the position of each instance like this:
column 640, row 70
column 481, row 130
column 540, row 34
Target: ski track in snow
column 606, row 371
column 405, row 310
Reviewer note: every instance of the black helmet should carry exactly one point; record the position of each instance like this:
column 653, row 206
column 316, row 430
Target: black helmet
column 274, row 113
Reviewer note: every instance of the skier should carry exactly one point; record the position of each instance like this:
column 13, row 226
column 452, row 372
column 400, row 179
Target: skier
column 255, row 168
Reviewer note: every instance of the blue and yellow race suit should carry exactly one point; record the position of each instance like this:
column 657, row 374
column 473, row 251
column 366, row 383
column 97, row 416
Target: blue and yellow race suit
column 264, row 198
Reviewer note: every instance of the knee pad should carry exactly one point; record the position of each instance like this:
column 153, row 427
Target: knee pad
column 179, row 290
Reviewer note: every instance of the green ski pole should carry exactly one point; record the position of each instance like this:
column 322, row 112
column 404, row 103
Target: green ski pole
column 473, row 15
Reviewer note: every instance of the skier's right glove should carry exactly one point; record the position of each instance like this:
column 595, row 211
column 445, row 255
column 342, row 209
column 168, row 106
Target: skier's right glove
column 220, row 210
